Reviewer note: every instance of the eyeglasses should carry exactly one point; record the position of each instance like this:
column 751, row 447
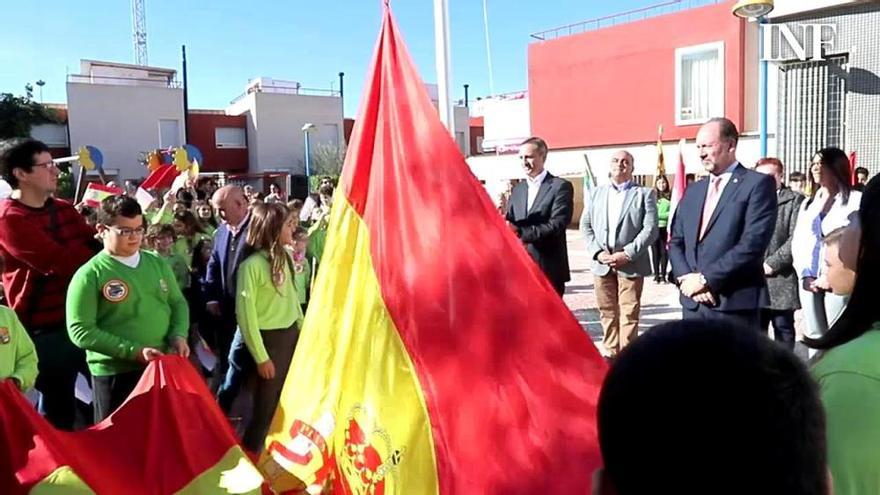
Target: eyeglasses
column 128, row 232
column 49, row 165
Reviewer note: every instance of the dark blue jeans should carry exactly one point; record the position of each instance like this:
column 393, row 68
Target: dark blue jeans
column 749, row 319
column 241, row 366
column 783, row 325
column 59, row 363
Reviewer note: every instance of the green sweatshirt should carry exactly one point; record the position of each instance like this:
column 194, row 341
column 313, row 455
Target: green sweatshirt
column 184, row 247
column 18, row 359
column 260, row 305
column 663, row 205
column 178, row 267
column 301, row 281
column 113, row 310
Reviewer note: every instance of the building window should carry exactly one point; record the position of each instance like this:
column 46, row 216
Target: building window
column 699, row 83
column 54, row 135
column 230, row 137
column 169, row 133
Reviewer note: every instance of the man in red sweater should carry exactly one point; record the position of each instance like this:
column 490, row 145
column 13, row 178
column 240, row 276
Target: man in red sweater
column 44, row 241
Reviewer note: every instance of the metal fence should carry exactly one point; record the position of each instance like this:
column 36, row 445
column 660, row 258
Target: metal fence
column 643, row 13
column 123, row 81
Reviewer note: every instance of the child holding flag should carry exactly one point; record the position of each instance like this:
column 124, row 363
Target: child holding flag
column 18, row 358
column 268, row 311
column 124, row 307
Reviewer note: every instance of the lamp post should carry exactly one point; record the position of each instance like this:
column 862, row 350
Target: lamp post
column 40, row 84
column 758, row 9
column 308, row 129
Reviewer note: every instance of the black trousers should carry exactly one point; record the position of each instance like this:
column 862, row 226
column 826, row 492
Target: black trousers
column 109, row 392
column 749, row 319
column 280, row 345
column 660, row 254
column 59, row 363
column 559, row 287
column 783, row 325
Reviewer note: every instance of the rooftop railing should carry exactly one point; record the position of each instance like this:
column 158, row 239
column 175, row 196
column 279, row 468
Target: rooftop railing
column 643, row 13
column 123, row 81
column 287, row 90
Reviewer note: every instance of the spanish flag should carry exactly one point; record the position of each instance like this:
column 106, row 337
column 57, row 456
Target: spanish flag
column 435, row 356
column 169, row 437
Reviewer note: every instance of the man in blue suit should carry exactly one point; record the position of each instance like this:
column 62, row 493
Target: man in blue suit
column 720, row 231
column 230, row 249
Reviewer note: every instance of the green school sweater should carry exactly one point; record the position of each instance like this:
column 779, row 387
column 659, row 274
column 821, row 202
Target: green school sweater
column 301, row 281
column 178, row 267
column 113, row 310
column 18, row 359
column 184, row 247
column 260, row 305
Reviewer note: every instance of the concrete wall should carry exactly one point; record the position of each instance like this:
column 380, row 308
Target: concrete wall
column 121, row 121
column 275, row 121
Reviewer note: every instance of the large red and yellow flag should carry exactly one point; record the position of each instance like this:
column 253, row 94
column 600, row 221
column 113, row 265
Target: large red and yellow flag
column 169, row 437
column 435, row 355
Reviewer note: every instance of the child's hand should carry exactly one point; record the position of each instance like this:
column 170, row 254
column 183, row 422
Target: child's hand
column 180, row 347
column 266, row 370
column 147, row 354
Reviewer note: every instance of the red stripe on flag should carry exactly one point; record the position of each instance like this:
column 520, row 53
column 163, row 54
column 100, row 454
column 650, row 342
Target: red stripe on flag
column 510, row 378
column 161, row 178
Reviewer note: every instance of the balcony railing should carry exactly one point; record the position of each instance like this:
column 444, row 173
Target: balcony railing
column 643, row 13
column 287, row 90
column 123, row 81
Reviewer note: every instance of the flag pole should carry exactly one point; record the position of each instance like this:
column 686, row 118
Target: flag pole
column 444, row 75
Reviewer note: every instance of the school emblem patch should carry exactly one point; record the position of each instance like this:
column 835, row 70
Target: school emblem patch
column 115, row 291
column 4, row 336
column 163, row 285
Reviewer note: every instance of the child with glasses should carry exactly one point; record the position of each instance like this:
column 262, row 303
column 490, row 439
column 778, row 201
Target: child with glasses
column 124, row 307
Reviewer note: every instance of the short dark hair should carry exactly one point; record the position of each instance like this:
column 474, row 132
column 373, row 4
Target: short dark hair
column 161, row 230
column 694, row 407
column 798, row 176
column 326, row 190
column 295, row 204
column 862, row 170
column 118, row 206
column 20, row 155
column 834, row 237
column 727, row 129
column 539, row 143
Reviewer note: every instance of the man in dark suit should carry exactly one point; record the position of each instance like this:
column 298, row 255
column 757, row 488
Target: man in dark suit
column 540, row 210
column 229, row 251
column 720, row 232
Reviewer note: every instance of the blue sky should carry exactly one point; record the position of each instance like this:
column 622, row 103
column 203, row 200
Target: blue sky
column 230, row 41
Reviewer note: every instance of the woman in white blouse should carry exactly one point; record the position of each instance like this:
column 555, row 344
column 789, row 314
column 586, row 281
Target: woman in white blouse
column 829, row 207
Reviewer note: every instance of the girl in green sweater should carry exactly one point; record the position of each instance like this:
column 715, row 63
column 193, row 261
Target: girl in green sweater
column 18, row 359
column 659, row 254
column 268, row 311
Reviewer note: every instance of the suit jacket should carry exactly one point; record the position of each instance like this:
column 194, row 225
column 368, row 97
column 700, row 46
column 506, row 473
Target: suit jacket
column 542, row 227
column 731, row 254
column 783, row 283
column 215, row 280
column 636, row 229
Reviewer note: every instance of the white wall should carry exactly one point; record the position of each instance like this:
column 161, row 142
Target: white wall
column 121, row 121
column 275, row 121
column 790, row 7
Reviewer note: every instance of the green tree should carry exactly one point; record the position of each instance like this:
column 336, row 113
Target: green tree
column 18, row 114
column 327, row 160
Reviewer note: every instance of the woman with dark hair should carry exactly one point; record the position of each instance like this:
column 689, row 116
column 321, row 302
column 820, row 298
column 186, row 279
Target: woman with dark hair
column 659, row 255
column 189, row 232
column 827, row 209
column 849, row 371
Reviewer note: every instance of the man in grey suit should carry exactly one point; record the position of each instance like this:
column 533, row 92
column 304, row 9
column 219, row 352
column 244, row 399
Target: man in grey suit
column 619, row 224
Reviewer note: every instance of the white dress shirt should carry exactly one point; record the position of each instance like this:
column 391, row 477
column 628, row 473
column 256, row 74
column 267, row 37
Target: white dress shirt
column 616, row 196
column 534, row 185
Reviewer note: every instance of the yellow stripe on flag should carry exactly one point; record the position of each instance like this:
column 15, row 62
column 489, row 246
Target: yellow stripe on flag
column 352, row 391
column 62, row 481
column 233, row 474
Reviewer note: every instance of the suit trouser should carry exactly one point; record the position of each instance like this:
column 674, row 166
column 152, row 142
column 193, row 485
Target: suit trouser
column 820, row 311
column 749, row 318
column 59, row 363
column 110, row 391
column 619, row 300
column 240, row 367
column 783, row 325
column 280, row 345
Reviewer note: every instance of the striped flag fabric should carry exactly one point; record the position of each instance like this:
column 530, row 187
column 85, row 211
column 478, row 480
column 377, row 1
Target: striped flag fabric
column 679, row 184
column 435, row 357
column 169, row 437
column 661, row 163
column 589, row 178
column 95, row 193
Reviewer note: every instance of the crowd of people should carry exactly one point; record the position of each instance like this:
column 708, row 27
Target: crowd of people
column 708, row 404
column 103, row 291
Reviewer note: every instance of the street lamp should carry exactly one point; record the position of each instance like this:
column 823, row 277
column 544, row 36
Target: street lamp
column 308, row 129
column 41, row 83
column 757, row 9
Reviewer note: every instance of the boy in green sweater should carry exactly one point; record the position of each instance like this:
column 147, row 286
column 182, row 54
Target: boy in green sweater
column 124, row 307
column 18, row 359
column 161, row 240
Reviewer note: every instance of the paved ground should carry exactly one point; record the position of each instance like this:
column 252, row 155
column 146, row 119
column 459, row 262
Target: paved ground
column 659, row 301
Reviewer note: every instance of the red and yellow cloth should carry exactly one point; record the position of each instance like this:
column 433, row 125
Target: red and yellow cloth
column 435, row 355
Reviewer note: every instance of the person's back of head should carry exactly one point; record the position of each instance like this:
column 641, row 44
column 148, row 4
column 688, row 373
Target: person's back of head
column 693, row 407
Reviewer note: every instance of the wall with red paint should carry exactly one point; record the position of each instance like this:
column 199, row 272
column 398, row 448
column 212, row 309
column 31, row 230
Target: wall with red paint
column 616, row 85
column 201, row 134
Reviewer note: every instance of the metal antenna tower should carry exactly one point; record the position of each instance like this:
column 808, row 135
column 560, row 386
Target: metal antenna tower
column 139, row 31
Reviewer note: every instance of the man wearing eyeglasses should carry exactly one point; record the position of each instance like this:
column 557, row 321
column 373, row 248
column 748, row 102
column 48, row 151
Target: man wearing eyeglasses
column 44, row 241
column 124, row 307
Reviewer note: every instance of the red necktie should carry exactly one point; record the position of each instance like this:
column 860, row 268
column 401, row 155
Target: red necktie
column 712, row 197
